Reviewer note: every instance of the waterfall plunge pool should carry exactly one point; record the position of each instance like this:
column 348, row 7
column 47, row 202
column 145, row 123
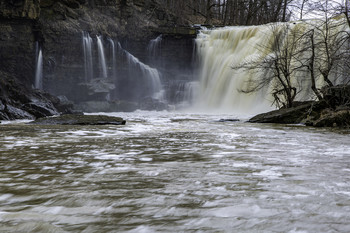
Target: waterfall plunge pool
column 174, row 172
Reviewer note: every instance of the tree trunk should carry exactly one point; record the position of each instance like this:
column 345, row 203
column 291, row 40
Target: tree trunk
column 284, row 11
column 347, row 11
column 311, row 67
column 208, row 19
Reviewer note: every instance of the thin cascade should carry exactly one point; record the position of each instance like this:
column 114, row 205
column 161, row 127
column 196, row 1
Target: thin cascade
column 185, row 92
column 154, row 46
column 88, row 64
column 102, row 58
column 39, row 68
column 151, row 74
column 114, row 59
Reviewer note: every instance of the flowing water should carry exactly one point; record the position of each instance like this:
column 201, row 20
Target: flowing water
column 39, row 70
column 174, row 172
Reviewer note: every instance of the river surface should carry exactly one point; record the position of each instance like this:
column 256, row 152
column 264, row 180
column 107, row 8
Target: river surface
column 174, row 172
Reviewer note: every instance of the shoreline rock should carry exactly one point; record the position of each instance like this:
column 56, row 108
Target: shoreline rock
column 75, row 119
column 316, row 114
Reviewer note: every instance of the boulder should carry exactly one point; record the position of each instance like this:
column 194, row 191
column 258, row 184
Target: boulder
column 228, row 120
column 294, row 115
column 16, row 113
column 73, row 119
column 40, row 109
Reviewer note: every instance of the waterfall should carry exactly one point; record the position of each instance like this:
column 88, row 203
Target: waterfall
column 39, row 68
column 222, row 52
column 153, row 47
column 102, row 58
column 184, row 92
column 152, row 76
column 219, row 50
column 88, row 65
column 114, row 59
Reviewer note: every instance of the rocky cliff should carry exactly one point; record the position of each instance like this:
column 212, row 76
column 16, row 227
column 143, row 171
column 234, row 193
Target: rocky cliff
column 56, row 27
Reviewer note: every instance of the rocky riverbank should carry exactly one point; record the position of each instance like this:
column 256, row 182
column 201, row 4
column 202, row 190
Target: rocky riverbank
column 332, row 111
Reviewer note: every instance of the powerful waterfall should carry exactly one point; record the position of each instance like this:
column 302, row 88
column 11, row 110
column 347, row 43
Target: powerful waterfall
column 219, row 50
column 225, row 53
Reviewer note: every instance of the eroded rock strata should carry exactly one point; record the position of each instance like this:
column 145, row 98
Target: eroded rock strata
column 56, row 26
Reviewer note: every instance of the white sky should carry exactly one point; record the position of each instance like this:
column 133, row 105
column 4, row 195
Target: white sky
column 314, row 14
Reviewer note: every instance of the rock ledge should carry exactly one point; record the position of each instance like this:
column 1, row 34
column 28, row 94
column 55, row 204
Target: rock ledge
column 73, row 119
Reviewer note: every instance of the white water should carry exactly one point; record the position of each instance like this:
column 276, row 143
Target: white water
column 221, row 49
column 88, row 64
column 39, row 69
column 174, row 172
column 102, row 58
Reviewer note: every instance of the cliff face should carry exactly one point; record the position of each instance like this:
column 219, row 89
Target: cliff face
column 28, row 9
column 56, row 26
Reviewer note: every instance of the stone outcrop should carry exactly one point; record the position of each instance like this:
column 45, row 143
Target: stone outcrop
column 332, row 111
column 17, row 101
column 79, row 119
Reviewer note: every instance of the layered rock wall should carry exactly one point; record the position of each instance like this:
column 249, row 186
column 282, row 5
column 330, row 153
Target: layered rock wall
column 56, row 26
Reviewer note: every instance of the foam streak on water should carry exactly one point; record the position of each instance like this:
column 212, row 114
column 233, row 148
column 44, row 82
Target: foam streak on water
column 174, row 172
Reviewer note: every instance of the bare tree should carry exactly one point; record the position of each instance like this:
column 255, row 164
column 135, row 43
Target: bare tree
column 276, row 69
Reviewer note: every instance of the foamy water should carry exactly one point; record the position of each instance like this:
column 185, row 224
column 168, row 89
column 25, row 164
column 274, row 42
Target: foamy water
column 174, row 172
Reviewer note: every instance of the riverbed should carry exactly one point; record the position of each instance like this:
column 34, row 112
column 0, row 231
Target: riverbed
column 174, row 172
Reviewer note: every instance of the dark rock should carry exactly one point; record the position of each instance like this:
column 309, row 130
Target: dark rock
column 40, row 109
column 337, row 95
column 292, row 115
column 29, row 9
column 71, row 3
column 72, row 119
column 16, row 113
column 228, row 120
column 332, row 118
column 47, row 3
column 20, row 102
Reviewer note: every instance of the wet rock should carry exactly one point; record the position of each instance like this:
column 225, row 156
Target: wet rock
column 72, row 119
column 16, row 113
column 228, row 120
column 40, row 109
column 292, row 115
column 17, row 101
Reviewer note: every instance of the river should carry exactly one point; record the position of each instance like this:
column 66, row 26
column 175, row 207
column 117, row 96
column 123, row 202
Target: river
column 174, row 172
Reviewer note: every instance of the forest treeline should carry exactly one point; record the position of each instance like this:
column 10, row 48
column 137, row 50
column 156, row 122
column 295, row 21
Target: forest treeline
column 250, row 12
